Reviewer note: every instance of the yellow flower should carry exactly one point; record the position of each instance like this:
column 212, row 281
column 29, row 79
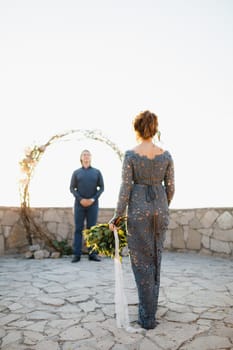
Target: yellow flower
column 101, row 238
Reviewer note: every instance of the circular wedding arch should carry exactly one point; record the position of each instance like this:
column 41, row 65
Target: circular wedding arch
column 28, row 165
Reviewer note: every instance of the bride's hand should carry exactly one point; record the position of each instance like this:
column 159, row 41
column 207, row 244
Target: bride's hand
column 111, row 227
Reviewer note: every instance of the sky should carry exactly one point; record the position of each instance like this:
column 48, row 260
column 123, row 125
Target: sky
column 94, row 65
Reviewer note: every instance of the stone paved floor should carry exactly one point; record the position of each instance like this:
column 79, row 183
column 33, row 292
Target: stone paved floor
column 55, row 305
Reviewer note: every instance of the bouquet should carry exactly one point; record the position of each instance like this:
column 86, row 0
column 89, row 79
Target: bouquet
column 101, row 239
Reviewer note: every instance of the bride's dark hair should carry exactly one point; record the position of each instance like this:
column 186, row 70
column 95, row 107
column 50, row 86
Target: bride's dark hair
column 145, row 125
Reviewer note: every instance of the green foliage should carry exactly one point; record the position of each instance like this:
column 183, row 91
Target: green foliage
column 100, row 238
column 63, row 247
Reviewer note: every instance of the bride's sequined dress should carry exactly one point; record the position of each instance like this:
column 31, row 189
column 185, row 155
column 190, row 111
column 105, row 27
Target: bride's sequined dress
column 147, row 188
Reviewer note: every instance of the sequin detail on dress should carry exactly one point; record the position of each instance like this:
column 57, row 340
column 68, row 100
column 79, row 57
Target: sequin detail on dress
column 147, row 188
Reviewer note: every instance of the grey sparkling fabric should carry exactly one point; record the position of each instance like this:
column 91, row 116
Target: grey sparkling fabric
column 146, row 190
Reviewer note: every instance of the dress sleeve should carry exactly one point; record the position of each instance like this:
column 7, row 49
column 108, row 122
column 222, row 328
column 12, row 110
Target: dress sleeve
column 169, row 181
column 125, row 188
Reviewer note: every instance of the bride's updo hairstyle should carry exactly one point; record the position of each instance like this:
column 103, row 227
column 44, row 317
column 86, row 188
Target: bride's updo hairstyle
column 145, row 125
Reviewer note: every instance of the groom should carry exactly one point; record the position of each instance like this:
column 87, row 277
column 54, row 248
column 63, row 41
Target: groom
column 86, row 185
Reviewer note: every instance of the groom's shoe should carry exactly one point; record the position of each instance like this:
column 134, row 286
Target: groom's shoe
column 94, row 257
column 75, row 259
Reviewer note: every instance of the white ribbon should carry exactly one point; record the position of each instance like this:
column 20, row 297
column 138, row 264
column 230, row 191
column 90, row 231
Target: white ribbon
column 121, row 304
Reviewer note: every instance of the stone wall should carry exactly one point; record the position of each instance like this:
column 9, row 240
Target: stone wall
column 206, row 231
